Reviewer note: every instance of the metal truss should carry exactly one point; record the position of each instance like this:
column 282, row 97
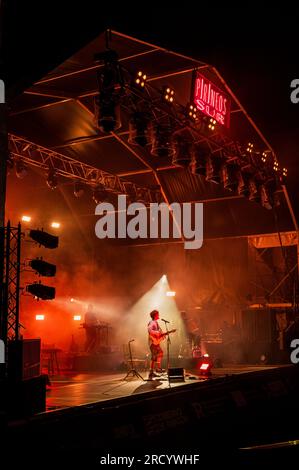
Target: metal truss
column 67, row 167
column 11, row 282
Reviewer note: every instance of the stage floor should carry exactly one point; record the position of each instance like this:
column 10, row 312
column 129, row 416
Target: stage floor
column 71, row 389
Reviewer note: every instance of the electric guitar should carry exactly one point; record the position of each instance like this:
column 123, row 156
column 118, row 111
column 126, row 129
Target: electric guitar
column 156, row 340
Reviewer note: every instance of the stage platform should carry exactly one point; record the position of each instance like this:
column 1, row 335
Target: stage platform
column 229, row 417
column 71, row 389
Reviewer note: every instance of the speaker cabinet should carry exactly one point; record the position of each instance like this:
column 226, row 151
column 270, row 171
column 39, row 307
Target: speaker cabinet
column 23, row 359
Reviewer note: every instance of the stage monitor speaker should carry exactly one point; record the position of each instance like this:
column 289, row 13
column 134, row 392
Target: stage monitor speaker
column 176, row 374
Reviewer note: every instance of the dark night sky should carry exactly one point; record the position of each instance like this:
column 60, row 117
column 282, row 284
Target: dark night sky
column 255, row 49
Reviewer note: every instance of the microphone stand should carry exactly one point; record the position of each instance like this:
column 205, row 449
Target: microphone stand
column 168, row 349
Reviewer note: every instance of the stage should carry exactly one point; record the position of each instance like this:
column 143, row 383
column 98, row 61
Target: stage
column 72, row 390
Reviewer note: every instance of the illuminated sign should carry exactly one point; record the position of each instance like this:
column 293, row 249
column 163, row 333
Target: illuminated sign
column 210, row 100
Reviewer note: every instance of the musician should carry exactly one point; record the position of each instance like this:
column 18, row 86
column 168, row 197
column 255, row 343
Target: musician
column 90, row 323
column 155, row 331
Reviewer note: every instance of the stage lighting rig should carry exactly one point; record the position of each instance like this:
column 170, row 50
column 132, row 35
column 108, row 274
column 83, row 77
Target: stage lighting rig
column 140, row 79
column 168, row 94
column 21, row 169
column 110, row 81
column 99, row 195
column 275, row 166
column 192, row 113
column 52, row 179
column 213, row 166
column 162, row 142
column 249, row 147
column 254, row 194
column 43, row 268
column 265, row 197
column 199, row 160
column 43, row 238
column 230, row 175
column 284, row 172
column 212, row 124
column 78, row 190
column 139, row 129
column 41, row 291
column 183, row 151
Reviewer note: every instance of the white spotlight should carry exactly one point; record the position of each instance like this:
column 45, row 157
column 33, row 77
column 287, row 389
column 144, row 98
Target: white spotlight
column 55, row 224
column 170, row 293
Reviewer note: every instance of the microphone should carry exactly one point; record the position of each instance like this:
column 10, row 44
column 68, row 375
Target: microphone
column 165, row 321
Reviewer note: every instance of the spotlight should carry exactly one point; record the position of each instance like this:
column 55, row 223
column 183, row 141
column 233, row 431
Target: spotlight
column 21, row 169
column 265, row 198
column 183, row 148
column 243, row 183
column 55, row 224
column 26, row 218
column 52, row 180
column 77, row 317
column 212, row 124
column 230, row 176
column 41, row 291
column 43, row 268
column 99, row 195
column 139, row 130
column 43, row 238
column 199, row 161
column 72, row 300
column 264, row 157
column 213, row 169
column 249, row 147
column 284, row 172
column 164, row 279
column 170, row 293
column 78, row 190
column 192, row 112
column 162, row 143
column 107, row 109
column 275, row 166
column 39, row 317
column 140, row 79
column 253, row 191
column 168, row 94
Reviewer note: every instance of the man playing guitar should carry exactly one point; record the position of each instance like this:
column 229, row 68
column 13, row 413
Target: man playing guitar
column 155, row 336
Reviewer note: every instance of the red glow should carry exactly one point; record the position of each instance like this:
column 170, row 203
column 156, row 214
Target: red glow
column 204, row 366
column 210, row 100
